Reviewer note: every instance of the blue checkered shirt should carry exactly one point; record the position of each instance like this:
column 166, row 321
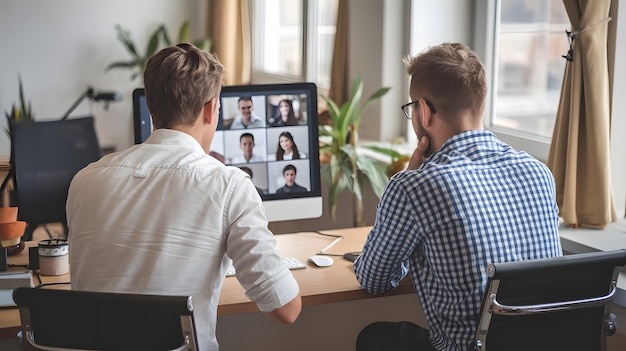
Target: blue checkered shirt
column 473, row 202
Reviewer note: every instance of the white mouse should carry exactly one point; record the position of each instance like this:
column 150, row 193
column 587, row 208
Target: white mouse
column 321, row 261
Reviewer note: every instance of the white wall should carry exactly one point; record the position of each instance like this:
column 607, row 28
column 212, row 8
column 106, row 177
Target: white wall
column 62, row 47
column 435, row 22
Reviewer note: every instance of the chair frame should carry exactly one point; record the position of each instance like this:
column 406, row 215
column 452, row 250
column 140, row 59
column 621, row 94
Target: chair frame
column 605, row 264
column 39, row 310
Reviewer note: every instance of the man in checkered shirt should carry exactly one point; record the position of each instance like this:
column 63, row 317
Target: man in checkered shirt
column 465, row 200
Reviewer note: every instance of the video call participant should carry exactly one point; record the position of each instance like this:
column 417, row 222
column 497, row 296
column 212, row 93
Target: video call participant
column 162, row 216
column 466, row 200
column 246, row 119
column 289, row 172
column 287, row 148
column 246, row 144
column 286, row 116
column 249, row 172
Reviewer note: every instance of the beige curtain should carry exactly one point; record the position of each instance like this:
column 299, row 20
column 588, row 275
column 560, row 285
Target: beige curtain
column 579, row 154
column 339, row 84
column 228, row 26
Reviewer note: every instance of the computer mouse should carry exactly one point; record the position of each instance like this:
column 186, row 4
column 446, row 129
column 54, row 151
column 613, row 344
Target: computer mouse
column 321, row 261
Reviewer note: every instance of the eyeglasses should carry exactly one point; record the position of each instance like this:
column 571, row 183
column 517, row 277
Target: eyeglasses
column 407, row 108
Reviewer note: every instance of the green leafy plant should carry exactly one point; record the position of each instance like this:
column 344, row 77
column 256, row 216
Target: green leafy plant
column 23, row 112
column 159, row 39
column 345, row 164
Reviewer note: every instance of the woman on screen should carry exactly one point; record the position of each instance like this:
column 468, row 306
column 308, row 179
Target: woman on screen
column 286, row 116
column 287, row 148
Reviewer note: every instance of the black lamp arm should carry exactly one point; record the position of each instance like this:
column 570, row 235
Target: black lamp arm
column 91, row 95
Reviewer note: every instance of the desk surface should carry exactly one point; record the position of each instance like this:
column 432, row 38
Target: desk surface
column 336, row 283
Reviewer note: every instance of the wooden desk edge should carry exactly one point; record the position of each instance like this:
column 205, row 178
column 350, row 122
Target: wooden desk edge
column 405, row 287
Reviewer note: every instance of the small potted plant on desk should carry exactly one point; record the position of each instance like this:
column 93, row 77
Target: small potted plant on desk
column 21, row 112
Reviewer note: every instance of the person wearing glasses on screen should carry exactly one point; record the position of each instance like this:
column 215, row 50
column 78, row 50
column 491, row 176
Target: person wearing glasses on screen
column 465, row 200
column 246, row 119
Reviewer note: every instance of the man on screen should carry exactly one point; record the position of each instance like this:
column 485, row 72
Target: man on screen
column 246, row 144
column 289, row 172
column 246, row 119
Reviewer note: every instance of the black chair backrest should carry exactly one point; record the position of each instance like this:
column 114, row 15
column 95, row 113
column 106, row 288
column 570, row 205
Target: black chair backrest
column 106, row 321
column 45, row 156
column 582, row 285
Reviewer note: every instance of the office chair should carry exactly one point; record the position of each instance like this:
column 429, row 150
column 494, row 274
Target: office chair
column 560, row 303
column 68, row 320
column 45, row 156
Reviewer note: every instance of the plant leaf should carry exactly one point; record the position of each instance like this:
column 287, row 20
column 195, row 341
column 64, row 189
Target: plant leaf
column 376, row 172
column 124, row 37
column 121, row 64
column 385, row 151
column 153, row 42
column 184, row 35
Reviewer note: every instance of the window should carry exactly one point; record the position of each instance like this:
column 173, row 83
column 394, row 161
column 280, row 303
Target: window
column 525, row 44
column 293, row 40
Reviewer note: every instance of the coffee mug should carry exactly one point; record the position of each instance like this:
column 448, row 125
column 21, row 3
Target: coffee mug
column 53, row 257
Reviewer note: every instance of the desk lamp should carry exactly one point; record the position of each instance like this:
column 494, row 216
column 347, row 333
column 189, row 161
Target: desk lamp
column 93, row 96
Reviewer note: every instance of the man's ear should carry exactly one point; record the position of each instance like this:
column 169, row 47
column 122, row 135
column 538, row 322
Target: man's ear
column 425, row 114
column 210, row 111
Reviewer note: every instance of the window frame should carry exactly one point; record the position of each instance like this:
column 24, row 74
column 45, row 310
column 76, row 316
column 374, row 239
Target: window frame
column 487, row 26
column 309, row 17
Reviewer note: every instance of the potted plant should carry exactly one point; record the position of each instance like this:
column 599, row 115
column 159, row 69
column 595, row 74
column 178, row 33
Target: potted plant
column 344, row 164
column 23, row 112
column 139, row 60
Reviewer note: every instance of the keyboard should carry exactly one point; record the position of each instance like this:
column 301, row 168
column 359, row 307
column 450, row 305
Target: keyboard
column 292, row 263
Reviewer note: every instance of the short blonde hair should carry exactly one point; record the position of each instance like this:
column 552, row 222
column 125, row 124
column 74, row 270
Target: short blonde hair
column 451, row 77
column 179, row 80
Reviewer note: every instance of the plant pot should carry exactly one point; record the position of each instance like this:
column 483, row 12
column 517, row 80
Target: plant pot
column 8, row 214
column 11, row 233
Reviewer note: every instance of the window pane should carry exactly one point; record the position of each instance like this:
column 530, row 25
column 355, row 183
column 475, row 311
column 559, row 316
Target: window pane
column 322, row 41
column 530, row 68
column 278, row 37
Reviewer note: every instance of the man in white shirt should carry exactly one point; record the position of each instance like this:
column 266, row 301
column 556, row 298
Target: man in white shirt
column 246, row 119
column 163, row 217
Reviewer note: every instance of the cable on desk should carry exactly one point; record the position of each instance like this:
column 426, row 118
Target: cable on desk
column 40, row 282
column 338, row 238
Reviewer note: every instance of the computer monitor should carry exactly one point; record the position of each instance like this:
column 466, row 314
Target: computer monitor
column 141, row 116
column 271, row 172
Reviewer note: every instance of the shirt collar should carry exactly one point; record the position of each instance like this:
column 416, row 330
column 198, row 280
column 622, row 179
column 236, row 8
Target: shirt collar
column 466, row 139
column 174, row 137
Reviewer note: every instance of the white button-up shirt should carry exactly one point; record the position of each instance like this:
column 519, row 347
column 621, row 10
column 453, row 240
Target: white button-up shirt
column 162, row 218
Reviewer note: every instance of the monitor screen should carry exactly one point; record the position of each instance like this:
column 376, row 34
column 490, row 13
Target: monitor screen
column 271, row 132
column 141, row 116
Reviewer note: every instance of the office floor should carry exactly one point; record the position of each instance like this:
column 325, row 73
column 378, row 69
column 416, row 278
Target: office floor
column 9, row 345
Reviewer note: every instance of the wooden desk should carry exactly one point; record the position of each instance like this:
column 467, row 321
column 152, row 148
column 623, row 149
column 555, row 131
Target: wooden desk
column 336, row 283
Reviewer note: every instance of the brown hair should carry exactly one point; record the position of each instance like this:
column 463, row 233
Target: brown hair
column 179, row 80
column 451, row 76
